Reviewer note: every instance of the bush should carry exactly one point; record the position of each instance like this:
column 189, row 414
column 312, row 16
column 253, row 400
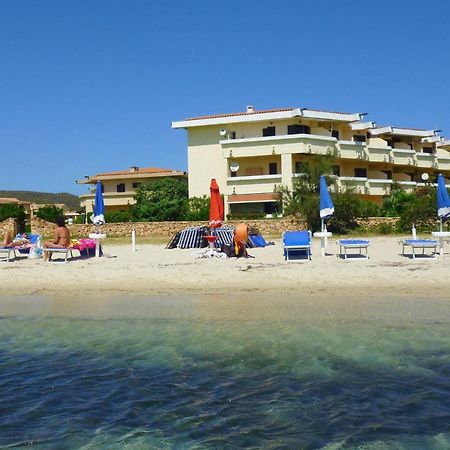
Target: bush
column 347, row 207
column 12, row 210
column 369, row 209
column 118, row 216
column 49, row 213
column 420, row 211
column 386, row 228
column 197, row 208
column 165, row 199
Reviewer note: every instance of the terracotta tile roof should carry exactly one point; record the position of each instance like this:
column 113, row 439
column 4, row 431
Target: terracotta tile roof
column 262, row 111
column 137, row 170
column 243, row 113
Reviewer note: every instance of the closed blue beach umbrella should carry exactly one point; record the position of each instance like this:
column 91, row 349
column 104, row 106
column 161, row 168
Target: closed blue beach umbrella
column 99, row 206
column 326, row 204
column 443, row 200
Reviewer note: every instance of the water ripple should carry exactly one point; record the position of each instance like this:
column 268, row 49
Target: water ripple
column 160, row 384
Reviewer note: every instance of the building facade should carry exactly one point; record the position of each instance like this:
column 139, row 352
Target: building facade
column 119, row 187
column 251, row 152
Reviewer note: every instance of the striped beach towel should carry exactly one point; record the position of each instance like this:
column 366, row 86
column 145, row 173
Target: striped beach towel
column 224, row 236
column 191, row 237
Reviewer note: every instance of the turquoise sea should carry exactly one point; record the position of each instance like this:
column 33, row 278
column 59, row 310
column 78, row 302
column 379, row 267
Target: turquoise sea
column 224, row 373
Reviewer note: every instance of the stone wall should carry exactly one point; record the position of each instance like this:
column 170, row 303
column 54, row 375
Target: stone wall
column 155, row 229
column 165, row 229
column 373, row 223
column 9, row 225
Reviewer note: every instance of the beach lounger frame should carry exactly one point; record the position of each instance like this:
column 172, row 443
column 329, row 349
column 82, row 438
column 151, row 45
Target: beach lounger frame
column 358, row 244
column 420, row 244
column 63, row 251
column 5, row 253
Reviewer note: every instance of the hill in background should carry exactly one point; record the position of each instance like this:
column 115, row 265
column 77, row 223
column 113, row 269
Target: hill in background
column 72, row 201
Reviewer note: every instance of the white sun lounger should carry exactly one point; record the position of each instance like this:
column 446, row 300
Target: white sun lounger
column 419, row 244
column 62, row 251
column 358, row 244
column 6, row 252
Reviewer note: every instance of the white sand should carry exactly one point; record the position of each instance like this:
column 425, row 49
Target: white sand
column 153, row 270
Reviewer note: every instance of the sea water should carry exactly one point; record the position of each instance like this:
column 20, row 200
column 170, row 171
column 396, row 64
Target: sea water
column 221, row 373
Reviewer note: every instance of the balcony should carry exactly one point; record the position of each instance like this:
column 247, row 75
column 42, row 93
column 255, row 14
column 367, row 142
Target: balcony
column 379, row 186
column 443, row 162
column 359, row 184
column 275, row 145
column 403, row 157
column 408, row 186
column 352, row 150
column 252, row 184
column 380, row 154
column 425, row 160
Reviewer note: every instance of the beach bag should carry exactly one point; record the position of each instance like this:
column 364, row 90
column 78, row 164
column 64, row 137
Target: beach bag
column 36, row 250
column 236, row 249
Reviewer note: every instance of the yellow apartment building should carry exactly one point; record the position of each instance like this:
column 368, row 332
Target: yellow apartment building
column 251, row 152
column 119, row 187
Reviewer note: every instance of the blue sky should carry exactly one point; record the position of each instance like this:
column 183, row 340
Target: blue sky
column 91, row 86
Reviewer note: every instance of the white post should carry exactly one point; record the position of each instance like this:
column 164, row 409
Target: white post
column 133, row 240
column 414, row 233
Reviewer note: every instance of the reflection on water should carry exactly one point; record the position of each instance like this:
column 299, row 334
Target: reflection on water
column 224, row 381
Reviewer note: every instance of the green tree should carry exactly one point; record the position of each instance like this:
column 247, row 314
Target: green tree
column 49, row 212
column 395, row 204
column 420, row 210
column 165, row 199
column 198, row 208
column 118, row 216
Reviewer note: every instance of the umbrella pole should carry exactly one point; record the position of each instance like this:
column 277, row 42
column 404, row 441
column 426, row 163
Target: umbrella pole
column 440, row 225
column 323, row 226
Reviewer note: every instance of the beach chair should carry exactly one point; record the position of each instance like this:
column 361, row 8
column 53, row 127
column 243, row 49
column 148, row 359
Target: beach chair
column 297, row 243
column 23, row 250
column 7, row 252
column 353, row 244
column 65, row 252
column 420, row 244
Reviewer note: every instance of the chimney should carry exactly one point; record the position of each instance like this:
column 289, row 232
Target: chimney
column 250, row 109
column 134, row 169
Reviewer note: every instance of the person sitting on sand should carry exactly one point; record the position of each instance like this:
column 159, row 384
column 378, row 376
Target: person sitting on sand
column 19, row 240
column 61, row 239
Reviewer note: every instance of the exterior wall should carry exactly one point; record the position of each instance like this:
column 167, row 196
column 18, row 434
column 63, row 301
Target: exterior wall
column 210, row 154
column 116, row 201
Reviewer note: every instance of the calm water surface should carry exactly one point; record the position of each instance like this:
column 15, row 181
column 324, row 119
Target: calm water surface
column 201, row 374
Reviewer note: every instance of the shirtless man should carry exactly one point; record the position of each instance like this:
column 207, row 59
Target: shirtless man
column 61, row 239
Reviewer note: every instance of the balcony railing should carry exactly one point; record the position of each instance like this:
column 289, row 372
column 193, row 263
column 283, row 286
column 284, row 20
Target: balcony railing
column 319, row 144
column 255, row 178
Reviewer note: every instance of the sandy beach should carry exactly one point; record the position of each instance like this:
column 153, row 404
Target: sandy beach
column 153, row 270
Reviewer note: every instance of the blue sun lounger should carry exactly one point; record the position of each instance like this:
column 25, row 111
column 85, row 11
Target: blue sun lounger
column 358, row 244
column 297, row 243
column 419, row 244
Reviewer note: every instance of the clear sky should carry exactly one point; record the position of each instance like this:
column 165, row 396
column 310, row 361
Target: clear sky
column 90, row 86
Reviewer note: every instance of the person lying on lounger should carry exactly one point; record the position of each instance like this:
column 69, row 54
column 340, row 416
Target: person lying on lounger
column 19, row 240
column 61, row 239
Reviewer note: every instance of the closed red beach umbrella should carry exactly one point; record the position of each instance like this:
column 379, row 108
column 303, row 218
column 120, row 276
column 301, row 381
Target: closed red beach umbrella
column 215, row 205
